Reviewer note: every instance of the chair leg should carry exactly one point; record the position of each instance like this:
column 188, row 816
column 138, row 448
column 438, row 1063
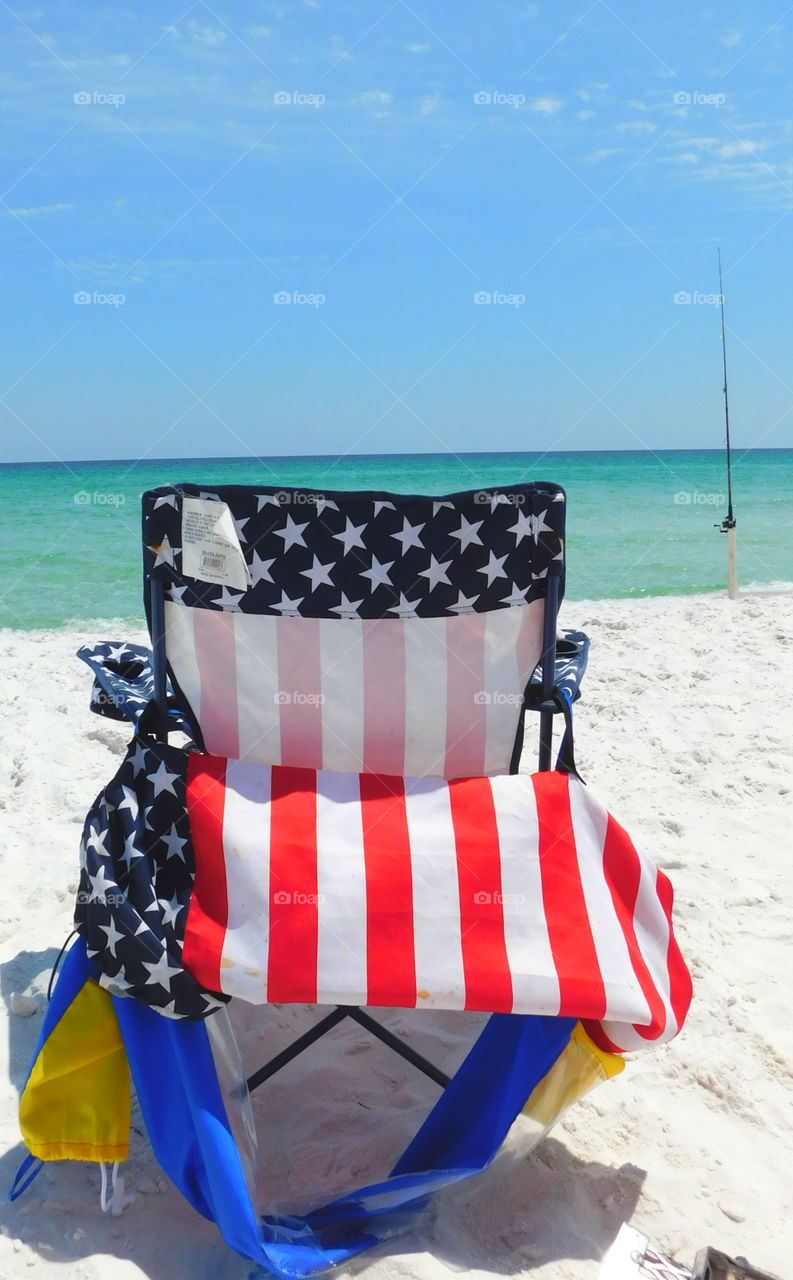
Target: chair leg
column 546, row 740
column 399, row 1046
column 281, row 1059
column 364, row 1020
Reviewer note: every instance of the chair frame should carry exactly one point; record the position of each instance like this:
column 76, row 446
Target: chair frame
column 538, row 698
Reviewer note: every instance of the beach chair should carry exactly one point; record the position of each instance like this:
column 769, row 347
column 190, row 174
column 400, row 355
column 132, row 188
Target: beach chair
column 351, row 654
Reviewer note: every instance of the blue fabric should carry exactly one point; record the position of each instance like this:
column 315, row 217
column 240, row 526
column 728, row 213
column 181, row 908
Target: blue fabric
column 180, row 1097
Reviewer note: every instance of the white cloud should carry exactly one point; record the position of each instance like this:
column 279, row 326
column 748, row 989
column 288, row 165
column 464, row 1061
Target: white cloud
column 741, row 147
column 548, row 105
column 39, row 209
column 688, row 157
column 428, row 104
column 732, row 38
column 636, row 126
column 418, row 48
column 585, row 115
column 602, row 154
column 377, row 101
column 207, row 35
column 259, row 31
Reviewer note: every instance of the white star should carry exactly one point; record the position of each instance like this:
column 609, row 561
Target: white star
column 467, row 533
column 114, row 936
column 207, row 496
column 96, row 841
column 378, row 574
column 130, row 802
column 115, row 983
column 494, row 568
column 464, row 603
column 383, row 506
column 166, row 500
column 170, row 909
column 174, row 843
column 516, row 596
column 115, row 653
column 409, row 537
column 523, row 529
column 138, row 761
column 322, row 503
column 436, row 573
column 162, row 780
column 351, row 537
column 539, row 525
column 163, row 552
column 230, row 600
column 347, row 608
column 260, row 569
column 405, row 607
column 318, row 573
column 239, row 523
column 289, row 606
column 436, row 506
column 292, row 533
column 162, row 973
column 130, row 851
column 177, row 594
column 100, row 885
column 266, row 499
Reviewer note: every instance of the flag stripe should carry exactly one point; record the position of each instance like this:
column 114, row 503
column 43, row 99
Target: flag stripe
column 341, row 888
column 580, row 983
column 384, row 696
column 426, row 652
column 614, row 938
column 391, row 964
column 440, row 979
column 246, row 846
column 215, row 651
column 292, row 960
column 300, row 693
column 341, row 660
column 466, row 712
column 258, row 686
column 208, row 911
column 535, row 982
column 488, row 984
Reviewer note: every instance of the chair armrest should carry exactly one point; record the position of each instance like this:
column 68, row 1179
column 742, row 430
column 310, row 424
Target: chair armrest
column 572, row 652
column 123, row 687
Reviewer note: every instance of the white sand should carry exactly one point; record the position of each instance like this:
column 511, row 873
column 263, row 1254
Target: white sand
column 685, row 733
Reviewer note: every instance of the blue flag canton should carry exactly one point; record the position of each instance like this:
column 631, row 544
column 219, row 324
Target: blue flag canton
column 367, row 555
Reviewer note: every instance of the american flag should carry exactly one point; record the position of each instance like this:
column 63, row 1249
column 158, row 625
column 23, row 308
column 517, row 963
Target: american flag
column 512, row 894
column 377, row 633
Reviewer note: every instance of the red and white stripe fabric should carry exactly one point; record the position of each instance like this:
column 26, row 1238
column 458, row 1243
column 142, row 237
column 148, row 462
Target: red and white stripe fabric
column 510, row 894
column 405, row 696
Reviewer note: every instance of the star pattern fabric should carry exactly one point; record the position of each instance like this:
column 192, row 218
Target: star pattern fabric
column 368, row 555
column 136, row 878
column 123, row 684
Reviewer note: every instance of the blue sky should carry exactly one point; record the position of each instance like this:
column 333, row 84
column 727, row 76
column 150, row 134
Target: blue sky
column 382, row 165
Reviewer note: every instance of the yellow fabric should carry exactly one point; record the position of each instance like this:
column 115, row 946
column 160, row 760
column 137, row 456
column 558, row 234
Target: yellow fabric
column 76, row 1103
column 580, row 1065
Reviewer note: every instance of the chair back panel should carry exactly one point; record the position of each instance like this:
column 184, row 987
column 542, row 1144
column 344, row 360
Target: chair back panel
column 377, row 633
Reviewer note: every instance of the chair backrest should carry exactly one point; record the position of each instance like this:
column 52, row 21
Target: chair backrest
column 356, row 632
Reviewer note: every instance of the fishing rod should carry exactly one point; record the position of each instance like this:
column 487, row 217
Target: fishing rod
column 728, row 523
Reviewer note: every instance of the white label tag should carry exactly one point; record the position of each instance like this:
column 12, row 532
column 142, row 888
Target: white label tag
column 211, row 549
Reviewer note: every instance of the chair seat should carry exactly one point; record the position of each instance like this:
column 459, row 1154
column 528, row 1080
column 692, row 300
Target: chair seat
column 513, row 894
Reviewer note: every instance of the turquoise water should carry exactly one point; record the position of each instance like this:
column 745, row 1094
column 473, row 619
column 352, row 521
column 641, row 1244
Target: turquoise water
column 70, row 534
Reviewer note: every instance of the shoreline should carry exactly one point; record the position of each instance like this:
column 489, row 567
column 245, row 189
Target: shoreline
column 137, row 626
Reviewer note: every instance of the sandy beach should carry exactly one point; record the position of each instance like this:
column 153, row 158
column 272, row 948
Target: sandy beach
column 684, row 733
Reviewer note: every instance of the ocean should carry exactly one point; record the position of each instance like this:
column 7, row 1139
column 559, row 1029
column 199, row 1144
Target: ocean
column 639, row 524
